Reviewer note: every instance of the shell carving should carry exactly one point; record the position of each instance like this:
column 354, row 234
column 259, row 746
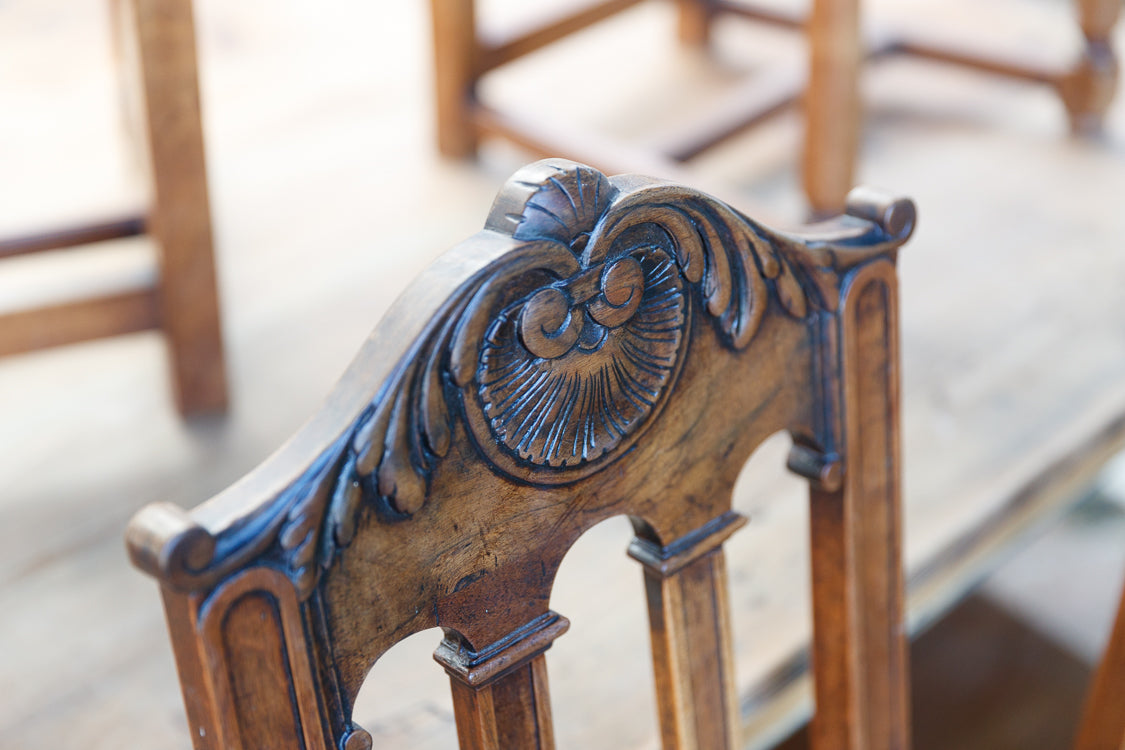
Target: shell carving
column 566, row 374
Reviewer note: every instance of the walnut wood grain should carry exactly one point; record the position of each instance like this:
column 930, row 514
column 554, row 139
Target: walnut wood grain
column 571, row 362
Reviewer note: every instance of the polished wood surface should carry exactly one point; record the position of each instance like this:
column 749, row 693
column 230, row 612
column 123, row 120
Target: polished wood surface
column 573, row 362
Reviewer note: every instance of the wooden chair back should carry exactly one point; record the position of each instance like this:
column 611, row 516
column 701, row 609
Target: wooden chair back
column 603, row 347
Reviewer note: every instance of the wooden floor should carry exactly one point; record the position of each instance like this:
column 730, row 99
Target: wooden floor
column 328, row 197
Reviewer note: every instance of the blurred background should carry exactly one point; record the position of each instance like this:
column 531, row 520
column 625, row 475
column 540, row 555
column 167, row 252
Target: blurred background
column 328, row 195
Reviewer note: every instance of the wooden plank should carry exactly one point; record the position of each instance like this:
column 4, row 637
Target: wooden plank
column 783, row 699
column 1063, row 480
column 128, row 312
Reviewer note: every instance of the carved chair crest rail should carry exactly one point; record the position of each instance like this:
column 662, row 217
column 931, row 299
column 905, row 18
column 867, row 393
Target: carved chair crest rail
column 605, row 346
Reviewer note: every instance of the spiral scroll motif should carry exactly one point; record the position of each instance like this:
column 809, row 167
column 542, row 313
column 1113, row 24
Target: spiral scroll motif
column 569, row 372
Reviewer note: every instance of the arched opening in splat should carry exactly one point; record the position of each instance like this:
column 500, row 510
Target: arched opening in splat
column 405, row 699
column 768, row 570
column 601, row 670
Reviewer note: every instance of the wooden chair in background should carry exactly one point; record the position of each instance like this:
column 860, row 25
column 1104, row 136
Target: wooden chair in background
column 183, row 301
column 832, row 107
column 603, row 347
column 838, row 49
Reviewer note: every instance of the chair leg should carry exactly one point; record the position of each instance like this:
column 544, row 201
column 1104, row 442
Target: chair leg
column 1088, row 89
column 1103, row 719
column 455, row 61
column 695, row 21
column 180, row 219
column 832, row 106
